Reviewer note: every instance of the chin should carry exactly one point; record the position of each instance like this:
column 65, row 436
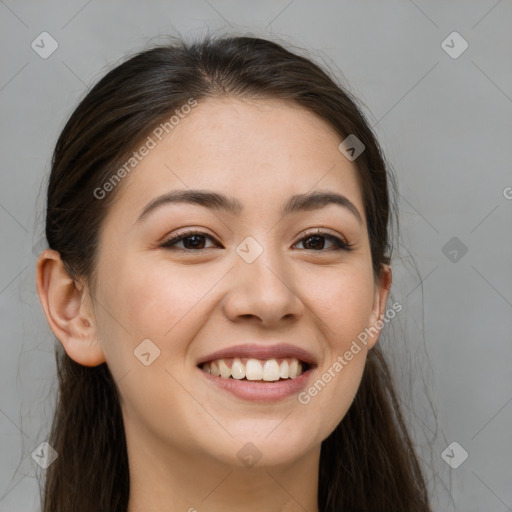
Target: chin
column 263, row 447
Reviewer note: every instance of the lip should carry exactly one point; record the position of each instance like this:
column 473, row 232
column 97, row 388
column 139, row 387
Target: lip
column 262, row 352
column 262, row 392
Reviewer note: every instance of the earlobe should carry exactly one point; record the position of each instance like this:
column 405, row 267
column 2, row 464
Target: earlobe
column 67, row 311
column 379, row 305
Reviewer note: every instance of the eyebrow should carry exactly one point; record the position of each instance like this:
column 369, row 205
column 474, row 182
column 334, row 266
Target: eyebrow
column 217, row 201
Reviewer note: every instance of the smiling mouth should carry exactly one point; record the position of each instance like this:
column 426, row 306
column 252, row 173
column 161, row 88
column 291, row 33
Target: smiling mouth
column 249, row 369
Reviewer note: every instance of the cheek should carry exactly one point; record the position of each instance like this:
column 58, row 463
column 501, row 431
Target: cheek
column 161, row 301
column 342, row 301
column 164, row 304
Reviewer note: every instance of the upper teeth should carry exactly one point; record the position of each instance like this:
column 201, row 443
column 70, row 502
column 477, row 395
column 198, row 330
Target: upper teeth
column 254, row 369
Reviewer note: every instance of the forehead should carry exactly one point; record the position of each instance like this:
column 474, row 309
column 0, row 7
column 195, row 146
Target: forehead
column 259, row 151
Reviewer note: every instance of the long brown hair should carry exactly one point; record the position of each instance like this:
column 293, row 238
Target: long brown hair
column 368, row 463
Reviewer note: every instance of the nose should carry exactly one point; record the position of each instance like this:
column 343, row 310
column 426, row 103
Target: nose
column 265, row 290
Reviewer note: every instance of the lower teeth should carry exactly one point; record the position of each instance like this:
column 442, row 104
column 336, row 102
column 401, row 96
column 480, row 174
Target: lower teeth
column 255, row 380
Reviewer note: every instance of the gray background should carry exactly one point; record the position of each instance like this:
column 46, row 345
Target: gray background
column 445, row 126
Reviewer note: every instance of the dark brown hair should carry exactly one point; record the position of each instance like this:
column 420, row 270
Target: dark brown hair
column 368, row 463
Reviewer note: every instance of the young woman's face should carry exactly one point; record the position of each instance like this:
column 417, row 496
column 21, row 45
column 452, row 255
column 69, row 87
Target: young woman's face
column 257, row 284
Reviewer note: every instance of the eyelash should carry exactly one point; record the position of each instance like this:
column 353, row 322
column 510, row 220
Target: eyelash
column 338, row 242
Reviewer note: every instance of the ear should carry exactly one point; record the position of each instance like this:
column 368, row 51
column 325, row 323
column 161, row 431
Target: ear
column 68, row 310
column 382, row 288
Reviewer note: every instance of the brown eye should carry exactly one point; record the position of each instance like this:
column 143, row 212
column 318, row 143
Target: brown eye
column 316, row 242
column 195, row 241
column 192, row 241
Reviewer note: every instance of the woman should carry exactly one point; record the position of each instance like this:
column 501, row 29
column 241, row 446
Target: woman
column 218, row 276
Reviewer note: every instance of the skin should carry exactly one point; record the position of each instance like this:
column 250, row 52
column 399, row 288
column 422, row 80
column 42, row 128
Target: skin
column 183, row 434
